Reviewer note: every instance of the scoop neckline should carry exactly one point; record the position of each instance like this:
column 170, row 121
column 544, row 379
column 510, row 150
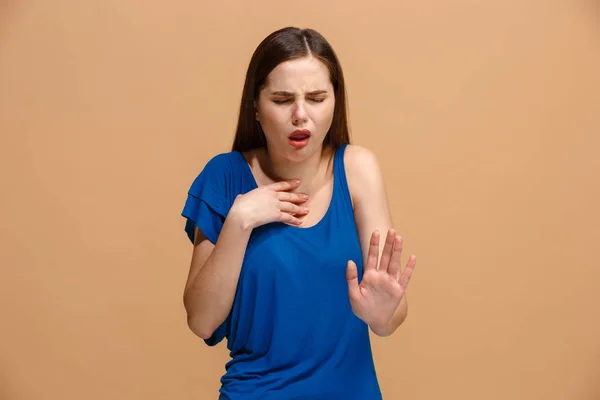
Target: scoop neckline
column 255, row 185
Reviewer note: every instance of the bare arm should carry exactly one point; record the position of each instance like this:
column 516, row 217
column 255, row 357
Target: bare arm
column 371, row 212
column 213, row 277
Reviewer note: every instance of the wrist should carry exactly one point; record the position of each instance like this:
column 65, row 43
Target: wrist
column 239, row 218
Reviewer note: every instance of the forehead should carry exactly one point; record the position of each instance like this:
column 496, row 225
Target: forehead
column 307, row 73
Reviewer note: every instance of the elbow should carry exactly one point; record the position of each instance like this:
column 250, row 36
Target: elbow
column 202, row 321
column 198, row 328
column 195, row 322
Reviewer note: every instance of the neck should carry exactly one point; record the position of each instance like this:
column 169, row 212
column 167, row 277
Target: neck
column 309, row 171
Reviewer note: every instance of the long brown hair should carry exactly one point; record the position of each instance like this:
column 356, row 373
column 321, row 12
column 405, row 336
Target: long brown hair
column 282, row 45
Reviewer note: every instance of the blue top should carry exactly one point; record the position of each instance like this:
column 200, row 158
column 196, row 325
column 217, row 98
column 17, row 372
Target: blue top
column 291, row 331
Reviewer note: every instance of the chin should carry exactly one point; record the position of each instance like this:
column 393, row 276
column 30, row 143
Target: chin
column 300, row 155
column 296, row 157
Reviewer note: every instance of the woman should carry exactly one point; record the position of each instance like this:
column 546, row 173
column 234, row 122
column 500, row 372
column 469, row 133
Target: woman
column 278, row 222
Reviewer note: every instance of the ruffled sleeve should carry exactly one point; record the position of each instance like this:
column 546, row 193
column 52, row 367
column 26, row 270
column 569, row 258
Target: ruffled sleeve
column 206, row 207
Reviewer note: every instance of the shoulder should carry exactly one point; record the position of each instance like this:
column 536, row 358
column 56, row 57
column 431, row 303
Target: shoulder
column 363, row 172
column 361, row 160
column 361, row 164
column 216, row 175
column 218, row 167
column 221, row 161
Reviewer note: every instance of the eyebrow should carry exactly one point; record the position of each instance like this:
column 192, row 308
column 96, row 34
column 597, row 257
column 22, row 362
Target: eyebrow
column 284, row 93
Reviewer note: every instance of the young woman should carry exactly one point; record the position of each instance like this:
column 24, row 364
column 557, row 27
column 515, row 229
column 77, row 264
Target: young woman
column 282, row 226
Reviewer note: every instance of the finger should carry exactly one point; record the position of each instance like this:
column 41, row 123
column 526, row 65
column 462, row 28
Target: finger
column 373, row 255
column 289, row 219
column 394, row 266
column 292, row 197
column 352, row 279
column 292, row 208
column 387, row 251
column 408, row 271
column 284, row 185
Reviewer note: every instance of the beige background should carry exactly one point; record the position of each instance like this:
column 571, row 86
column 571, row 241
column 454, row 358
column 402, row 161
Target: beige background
column 485, row 117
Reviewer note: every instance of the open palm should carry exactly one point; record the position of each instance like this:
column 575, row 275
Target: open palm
column 380, row 291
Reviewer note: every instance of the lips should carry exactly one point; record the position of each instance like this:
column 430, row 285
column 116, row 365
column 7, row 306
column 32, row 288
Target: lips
column 300, row 134
column 299, row 138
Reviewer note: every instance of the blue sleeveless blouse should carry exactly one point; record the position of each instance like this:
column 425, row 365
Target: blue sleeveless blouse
column 291, row 331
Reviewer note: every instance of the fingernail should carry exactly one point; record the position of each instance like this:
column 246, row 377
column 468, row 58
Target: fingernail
column 296, row 181
column 305, row 196
column 305, row 209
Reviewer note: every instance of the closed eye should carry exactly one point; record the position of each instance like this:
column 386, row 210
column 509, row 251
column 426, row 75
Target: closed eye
column 289, row 100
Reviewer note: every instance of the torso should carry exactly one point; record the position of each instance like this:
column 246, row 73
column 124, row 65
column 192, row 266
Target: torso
column 291, row 331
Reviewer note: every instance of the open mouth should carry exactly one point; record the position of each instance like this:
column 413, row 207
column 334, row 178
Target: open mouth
column 299, row 138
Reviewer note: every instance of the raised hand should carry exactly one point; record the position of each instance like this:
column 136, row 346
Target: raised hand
column 378, row 295
column 271, row 203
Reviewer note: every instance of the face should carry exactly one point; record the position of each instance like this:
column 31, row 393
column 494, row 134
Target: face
column 295, row 108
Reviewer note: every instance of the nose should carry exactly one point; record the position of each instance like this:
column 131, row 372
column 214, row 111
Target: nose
column 299, row 116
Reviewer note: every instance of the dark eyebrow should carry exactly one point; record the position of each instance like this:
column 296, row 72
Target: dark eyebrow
column 314, row 92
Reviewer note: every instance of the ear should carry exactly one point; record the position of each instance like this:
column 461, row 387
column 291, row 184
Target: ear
column 255, row 111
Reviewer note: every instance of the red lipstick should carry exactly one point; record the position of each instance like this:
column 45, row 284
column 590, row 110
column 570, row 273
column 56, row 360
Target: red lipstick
column 299, row 138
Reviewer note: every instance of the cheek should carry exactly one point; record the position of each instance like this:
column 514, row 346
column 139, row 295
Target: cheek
column 324, row 117
column 274, row 123
column 273, row 117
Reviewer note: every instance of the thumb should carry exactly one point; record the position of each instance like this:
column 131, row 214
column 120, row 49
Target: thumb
column 352, row 278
